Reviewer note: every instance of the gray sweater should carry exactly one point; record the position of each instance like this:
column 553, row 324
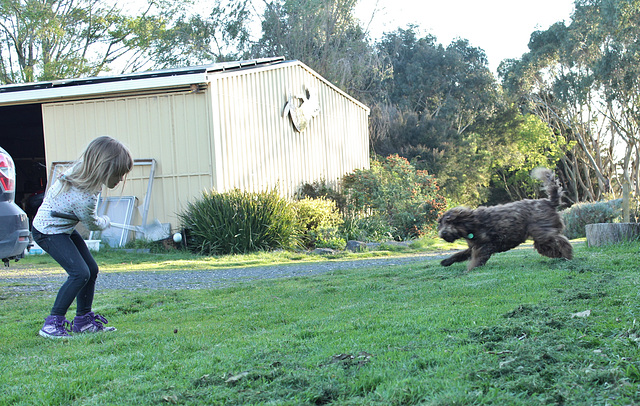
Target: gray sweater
column 81, row 203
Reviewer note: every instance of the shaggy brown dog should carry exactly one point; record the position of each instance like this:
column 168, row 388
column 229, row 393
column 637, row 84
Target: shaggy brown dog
column 500, row 228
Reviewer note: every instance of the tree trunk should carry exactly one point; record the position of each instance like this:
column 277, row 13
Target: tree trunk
column 611, row 233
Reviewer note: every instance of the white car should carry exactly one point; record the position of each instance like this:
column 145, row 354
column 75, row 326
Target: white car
column 14, row 223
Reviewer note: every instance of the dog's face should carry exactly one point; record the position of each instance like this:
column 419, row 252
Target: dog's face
column 455, row 224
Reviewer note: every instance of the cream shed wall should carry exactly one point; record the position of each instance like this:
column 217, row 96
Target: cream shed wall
column 173, row 129
column 257, row 148
column 229, row 134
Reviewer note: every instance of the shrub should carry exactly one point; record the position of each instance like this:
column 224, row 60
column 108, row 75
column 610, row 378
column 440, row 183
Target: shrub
column 320, row 189
column 328, row 237
column 319, row 219
column 240, row 222
column 580, row 214
column 394, row 189
column 367, row 228
column 316, row 213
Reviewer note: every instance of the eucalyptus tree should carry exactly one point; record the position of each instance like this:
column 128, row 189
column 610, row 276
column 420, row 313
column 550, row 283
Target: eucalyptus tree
column 53, row 39
column 615, row 29
column 582, row 79
column 215, row 32
column 325, row 35
column 56, row 39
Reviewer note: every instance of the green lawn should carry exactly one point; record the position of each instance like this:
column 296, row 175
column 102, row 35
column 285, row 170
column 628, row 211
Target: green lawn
column 524, row 329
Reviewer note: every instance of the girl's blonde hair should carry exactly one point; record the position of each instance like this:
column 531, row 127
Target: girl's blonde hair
column 104, row 157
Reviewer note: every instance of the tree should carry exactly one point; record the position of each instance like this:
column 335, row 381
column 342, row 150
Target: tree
column 191, row 39
column 325, row 35
column 57, row 39
column 582, row 80
column 433, row 100
column 528, row 143
column 617, row 72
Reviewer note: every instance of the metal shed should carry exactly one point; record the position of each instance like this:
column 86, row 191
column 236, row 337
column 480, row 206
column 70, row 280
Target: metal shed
column 253, row 125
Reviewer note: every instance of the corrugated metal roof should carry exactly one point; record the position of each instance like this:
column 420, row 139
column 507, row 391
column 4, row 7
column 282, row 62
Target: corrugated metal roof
column 163, row 73
column 134, row 82
column 142, row 82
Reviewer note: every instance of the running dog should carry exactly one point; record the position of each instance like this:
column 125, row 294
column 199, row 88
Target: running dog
column 500, row 228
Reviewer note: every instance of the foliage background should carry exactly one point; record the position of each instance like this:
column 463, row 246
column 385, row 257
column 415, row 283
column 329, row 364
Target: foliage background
column 570, row 103
column 407, row 199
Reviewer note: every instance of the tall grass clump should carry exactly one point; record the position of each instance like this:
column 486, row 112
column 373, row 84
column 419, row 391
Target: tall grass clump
column 580, row 214
column 240, row 222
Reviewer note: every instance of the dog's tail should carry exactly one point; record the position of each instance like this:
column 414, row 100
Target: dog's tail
column 551, row 184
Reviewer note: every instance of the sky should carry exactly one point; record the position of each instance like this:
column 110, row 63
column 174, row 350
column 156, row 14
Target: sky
column 502, row 28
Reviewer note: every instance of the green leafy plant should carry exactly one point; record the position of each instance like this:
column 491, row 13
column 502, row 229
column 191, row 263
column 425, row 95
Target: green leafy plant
column 328, row 237
column 319, row 219
column 321, row 190
column 367, row 227
column 580, row 214
column 407, row 198
column 240, row 222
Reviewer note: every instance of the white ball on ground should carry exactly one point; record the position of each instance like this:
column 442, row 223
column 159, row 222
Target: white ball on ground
column 177, row 237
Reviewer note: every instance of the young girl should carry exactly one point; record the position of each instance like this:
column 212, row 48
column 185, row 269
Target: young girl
column 105, row 161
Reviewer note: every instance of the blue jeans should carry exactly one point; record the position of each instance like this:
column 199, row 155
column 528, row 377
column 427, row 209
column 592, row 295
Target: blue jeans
column 71, row 252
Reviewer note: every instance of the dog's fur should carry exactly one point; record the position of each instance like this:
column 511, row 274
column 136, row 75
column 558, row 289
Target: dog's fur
column 500, row 228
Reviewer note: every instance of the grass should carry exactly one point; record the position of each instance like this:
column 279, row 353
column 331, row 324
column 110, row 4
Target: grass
column 522, row 330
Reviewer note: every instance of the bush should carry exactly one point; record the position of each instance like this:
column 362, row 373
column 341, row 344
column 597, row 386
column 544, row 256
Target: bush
column 328, row 237
column 240, row 222
column 319, row 220
column 320, row 190
column 318, row 213
column 393, row 189
column 367, row 228
column 580, row 214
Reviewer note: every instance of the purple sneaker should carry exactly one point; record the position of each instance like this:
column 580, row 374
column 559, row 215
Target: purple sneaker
column 90, row 323
column 56, row 327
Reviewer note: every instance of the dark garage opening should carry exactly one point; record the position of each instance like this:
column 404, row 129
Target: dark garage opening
column 22, row 136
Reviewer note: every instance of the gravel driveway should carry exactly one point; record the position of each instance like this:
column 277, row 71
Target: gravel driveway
column 51, row 280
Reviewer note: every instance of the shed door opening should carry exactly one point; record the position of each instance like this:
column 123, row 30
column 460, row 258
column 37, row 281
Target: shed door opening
column 22, row 136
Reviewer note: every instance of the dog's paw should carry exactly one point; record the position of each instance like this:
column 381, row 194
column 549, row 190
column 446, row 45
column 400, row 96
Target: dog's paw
column 447, row 262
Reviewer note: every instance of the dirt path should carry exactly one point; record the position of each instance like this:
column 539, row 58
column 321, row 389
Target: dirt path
column 51, row 280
